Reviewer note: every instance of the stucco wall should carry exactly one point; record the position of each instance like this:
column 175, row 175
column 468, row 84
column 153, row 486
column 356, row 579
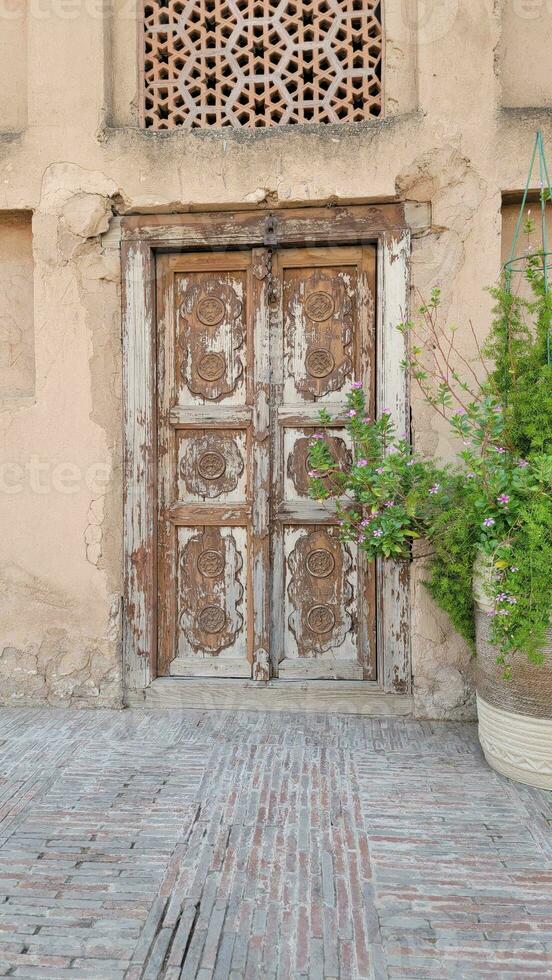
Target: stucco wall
column 16, row 305
column 79, row 160
column 13, row 66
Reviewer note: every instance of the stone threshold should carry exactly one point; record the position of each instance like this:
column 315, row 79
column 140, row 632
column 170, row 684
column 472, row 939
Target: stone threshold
column 326, row 697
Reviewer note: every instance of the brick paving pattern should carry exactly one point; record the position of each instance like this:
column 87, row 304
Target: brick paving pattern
column 180, row 845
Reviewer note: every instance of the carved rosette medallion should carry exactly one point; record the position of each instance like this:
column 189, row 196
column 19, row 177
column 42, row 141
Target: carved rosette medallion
column 210, row 564
column 211, row 619
column 211, row 366
column 319, row 362
column 210, row 311
column 210, row 591
column 211, row 334
column 320, row 593
column 321, row 619
column 211, row 465
column 320, row 563
column 319, row 306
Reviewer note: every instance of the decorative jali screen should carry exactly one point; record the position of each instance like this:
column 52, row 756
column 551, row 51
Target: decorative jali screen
column 257, row 63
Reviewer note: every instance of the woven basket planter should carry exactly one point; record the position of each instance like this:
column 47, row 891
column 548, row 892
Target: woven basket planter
column 515, row 716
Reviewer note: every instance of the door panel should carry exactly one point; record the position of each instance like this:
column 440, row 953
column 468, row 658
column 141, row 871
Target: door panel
column 297, row 443
column 253, row 580
column 212, row 465
column 319, row 320
column 212, row 603
column 212, row 337
column 319, row 604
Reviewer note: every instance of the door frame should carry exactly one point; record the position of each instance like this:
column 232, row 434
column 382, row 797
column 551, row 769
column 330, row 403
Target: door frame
column 142, row 236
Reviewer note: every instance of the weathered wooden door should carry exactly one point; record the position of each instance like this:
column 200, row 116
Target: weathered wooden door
column 252, row 578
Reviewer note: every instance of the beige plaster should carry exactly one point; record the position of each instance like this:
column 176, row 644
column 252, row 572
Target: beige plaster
column 13, row 65
column 17, row 370
column 446, row 139
column 524, row 53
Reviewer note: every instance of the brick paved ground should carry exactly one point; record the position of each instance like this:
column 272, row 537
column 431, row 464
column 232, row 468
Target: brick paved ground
column 181, row 845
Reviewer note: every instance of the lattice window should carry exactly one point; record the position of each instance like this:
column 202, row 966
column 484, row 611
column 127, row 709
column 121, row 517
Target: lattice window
column 256, row 63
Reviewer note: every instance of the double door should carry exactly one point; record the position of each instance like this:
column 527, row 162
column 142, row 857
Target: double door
column 252, row 579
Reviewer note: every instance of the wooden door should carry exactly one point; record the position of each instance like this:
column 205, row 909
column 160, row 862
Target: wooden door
column 323, row 606
column 252, row 579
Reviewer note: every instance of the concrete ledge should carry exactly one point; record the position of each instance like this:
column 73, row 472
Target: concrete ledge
column 332, row 697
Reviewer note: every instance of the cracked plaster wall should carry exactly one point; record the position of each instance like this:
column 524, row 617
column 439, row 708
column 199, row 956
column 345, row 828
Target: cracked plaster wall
column 61, row 554
column 446, row 139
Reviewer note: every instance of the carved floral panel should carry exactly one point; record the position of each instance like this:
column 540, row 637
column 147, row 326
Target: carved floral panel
column 319, row 595
column 212, row 465
column 319, row 315
column 212, row 603
column 211, row 347
column 296, row 454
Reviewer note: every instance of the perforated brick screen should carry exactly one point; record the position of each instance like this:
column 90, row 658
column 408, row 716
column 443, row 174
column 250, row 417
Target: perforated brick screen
column 257, row 63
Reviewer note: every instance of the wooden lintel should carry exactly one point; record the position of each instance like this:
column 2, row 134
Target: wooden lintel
column 337, row 225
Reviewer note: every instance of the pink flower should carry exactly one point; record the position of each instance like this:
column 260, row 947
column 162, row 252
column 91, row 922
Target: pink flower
column 489, row 522
column 500, row 449
column 514, row 569
column 460, row 411
column 522, row 463
column 313, row 474
column 492, row 612
column 366, row 522
column 362, row 462
column 389, row 503
column 356, row 385
column 380, row 470
column 471, row 476
column 367, row 420
column 386, row 411
column 352, row 414
column 411, row 462
column 318, row 435
column 377, row 534
column 435, row 489
column 503, row 499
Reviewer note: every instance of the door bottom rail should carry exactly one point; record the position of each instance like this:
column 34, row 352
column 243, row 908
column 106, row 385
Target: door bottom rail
column 312, row 696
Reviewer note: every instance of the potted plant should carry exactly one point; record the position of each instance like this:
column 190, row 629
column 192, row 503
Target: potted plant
column 488, row 517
